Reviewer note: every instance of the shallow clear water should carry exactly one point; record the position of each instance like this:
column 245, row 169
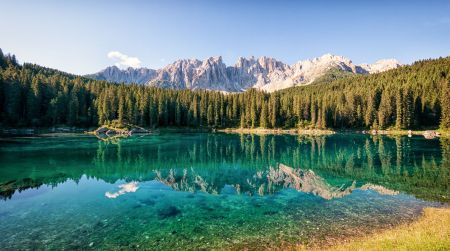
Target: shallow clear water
column 212, row 191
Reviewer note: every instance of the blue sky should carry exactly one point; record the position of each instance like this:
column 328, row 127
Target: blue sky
column 76, row 36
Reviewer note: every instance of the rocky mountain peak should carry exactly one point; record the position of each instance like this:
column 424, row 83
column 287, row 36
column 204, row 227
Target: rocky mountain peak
column 263, row 73
column 381, row 65
column 128, row 75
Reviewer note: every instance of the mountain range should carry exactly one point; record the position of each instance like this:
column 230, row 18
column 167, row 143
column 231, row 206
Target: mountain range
column 263, row 73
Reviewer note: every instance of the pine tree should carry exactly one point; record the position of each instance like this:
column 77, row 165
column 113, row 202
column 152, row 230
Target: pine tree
column 445, row 105
column 195, row 115
column 72, row 117
column 253, row 113
column 385, row 110
column 399, row 110
column 178, row 114
column 263, row 117
column 242, row 123
column 371, row 109
column 121, row 109
column 152, row 113
column 274, row 111
column 210, row 115
column 313, row 113
column 34, row 100
column 408, row 112
column 216, row 113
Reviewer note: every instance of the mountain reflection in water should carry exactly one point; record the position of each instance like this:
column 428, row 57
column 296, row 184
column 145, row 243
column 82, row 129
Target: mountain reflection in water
column 326, row 166
column 266, row 182
column 262, row 182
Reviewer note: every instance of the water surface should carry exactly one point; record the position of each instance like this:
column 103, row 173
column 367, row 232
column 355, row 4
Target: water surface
column 212, row 191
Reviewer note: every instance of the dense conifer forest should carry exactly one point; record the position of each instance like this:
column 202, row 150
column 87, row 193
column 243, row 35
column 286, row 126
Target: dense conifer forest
column 409, row 97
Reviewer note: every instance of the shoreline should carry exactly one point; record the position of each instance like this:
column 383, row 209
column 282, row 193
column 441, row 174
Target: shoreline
column 264, row 131
column 431, row 231
column 432, row 133
column 318, row 132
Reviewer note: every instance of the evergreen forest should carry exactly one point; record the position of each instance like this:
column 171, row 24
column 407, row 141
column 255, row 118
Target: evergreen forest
column 410, row 97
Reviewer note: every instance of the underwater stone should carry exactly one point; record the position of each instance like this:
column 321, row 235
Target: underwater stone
column 270, row 213
column 4, row 214
column 170, row 211
column 137, row 206
column 148, row 202
column 228, row 190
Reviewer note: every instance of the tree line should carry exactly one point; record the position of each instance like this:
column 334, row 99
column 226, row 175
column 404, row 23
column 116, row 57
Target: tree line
column 410, row 97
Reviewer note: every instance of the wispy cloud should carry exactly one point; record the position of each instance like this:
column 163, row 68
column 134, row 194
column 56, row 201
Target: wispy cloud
column 124, row 61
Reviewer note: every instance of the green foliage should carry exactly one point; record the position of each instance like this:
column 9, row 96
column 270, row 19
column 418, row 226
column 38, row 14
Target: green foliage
column 408, row 97
column 445, row 105
column 331, row 75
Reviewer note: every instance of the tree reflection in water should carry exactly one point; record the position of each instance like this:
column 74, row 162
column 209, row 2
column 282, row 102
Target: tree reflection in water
column 328, row 166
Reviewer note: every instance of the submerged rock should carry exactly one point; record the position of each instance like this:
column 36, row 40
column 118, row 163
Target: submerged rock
column 269, row 213
column 169, row 211
column 148, row 202
column 4, row 214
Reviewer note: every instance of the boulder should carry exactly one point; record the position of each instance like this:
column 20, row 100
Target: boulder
column 101, row 130
column 430, row 134
column 111, row 132
column 168, row 211
column 138, row 130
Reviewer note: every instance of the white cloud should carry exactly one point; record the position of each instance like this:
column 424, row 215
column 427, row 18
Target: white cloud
column 124, row 61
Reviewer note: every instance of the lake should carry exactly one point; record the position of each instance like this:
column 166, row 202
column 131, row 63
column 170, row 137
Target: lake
column 195, row 191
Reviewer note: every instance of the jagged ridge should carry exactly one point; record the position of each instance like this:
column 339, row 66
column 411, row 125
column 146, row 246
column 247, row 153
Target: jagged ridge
column 129, row 75
column 263, row 73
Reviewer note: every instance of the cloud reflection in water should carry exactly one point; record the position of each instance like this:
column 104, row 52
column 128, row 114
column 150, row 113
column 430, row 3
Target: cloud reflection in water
column 124, row 188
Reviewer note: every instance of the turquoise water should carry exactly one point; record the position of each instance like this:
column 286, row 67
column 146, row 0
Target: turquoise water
column 212, row 191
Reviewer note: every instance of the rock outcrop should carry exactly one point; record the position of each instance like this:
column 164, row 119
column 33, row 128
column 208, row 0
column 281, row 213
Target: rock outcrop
column 430, row 134
column 129, row 75
column 263, row 73
column 381, row 65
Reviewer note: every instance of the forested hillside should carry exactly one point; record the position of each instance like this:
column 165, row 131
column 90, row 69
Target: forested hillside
column 409, row 97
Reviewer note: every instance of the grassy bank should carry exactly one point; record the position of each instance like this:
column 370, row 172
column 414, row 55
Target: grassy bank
column 393, row 132
column 277, row 131
column 430, row 232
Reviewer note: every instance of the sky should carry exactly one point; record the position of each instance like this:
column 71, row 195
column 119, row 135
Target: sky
column 84, row 37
